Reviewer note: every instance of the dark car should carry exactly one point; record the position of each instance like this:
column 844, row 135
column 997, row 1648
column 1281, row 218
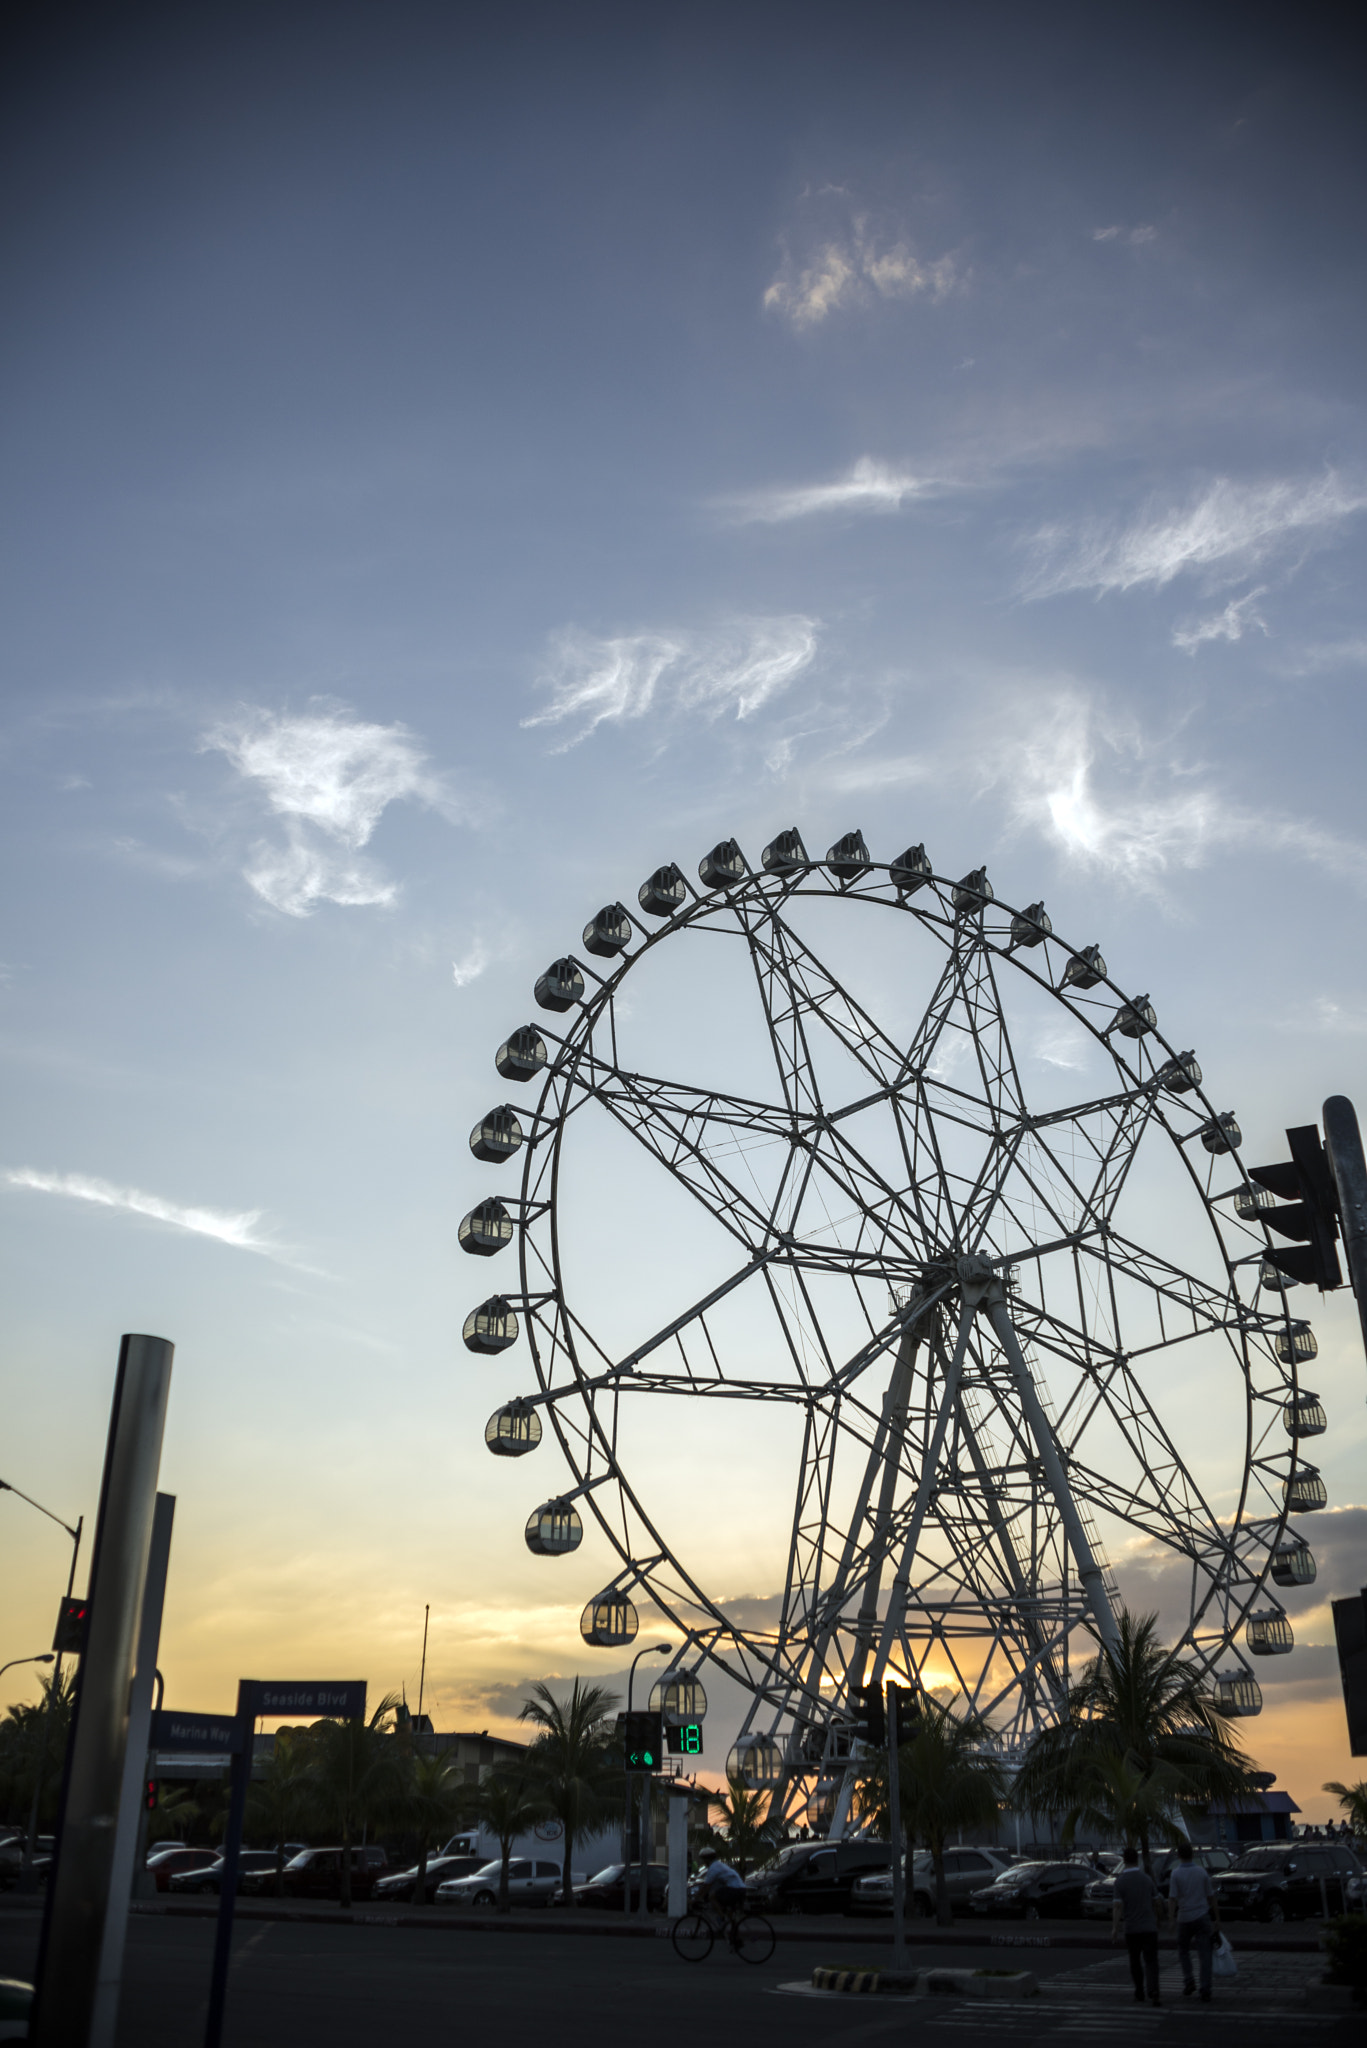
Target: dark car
column 317, row 1874
column 1287, row 1881
column 12, row 1859
column 164, row 1864
column 398, row 1885
column 1099, row 1897
column 606, row 1888
column 1036, row 1891
column 814, row 1877
column 209, row 1876
column 966, row 1870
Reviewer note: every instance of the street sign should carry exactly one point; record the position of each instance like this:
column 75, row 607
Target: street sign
column 340, row 1697
column 194, row 1734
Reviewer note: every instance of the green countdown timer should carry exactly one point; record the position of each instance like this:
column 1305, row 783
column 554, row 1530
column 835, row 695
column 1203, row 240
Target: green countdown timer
column 686, row 1740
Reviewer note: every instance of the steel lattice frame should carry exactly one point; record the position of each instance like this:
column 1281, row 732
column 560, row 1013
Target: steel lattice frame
column 996, row 1404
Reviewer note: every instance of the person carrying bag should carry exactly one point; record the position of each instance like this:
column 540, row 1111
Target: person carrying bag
column 1198, row 1919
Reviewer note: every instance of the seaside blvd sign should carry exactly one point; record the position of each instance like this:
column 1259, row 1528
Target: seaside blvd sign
column 329, row 1698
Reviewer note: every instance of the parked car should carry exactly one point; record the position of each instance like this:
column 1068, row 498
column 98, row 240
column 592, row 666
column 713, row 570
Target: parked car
column 607, row 1888
column 400, row 1884
column 529, row 1884
column 814, row 1877
column 1035, row 1891
column 209, row 1876
column 1282, row 1881
column 12, row 1859
column 966, row 1870
column 317, row 1874
column 1099, row 1897
column 163, row 1864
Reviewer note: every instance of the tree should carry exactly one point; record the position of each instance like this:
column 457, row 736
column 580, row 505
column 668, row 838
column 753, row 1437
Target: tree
column 174, row 1810
column 353, row 1777
column 506, row 1805
column 1140, row 1738
column 1353, row 1800
column 433, row 1800
column 277, row 1799
column 571, row 1761
column 747, row 1834
column 32, row 1745
column 948, row 1781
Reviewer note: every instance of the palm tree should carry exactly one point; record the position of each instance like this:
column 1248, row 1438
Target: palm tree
column 747, row 1834
column 433, row 1800
column 277, row 1799
column 353, row 1777
column 1353, row 1800
column 174, row 1810
column 1141, row 1737
column 571, row 1761
column 506, row 1805
column 948, row 1781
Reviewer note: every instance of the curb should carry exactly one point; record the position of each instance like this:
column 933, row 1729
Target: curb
column 560, row 1927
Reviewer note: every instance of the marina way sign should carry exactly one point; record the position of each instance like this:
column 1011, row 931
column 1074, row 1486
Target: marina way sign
column 193, row 1734
column 343, row 1697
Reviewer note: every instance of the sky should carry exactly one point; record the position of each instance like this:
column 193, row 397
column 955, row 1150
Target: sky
column 455, row 461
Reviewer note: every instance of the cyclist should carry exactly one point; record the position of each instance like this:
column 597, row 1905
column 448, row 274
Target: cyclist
column 721, row 1884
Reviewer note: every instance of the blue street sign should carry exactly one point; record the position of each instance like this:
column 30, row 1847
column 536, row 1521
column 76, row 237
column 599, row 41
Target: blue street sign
column 194, row 1734
column 343, row 1697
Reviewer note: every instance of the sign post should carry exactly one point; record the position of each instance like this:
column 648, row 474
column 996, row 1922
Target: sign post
column 319, row 1698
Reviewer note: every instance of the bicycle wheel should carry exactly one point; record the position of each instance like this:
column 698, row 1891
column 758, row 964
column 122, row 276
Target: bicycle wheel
column 692, row 1937
column 753, row 1939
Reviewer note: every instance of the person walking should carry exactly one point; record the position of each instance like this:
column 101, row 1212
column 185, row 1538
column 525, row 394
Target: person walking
column 1136, row 1909
column 1197, row 1913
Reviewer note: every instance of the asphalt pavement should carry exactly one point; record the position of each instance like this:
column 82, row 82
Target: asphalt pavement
column 299, row 1983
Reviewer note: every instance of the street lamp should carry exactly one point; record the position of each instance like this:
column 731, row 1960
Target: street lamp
column 26, row 1870
column 650, row 1650
column 43, row 1657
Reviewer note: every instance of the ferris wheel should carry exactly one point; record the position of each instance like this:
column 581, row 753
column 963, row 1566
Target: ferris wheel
column 863, row 1217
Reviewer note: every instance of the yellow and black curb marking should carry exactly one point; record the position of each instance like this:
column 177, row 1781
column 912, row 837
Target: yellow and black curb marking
column 857, row 1981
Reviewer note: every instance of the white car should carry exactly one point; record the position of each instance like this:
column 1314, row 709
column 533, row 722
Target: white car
column 529, row 1884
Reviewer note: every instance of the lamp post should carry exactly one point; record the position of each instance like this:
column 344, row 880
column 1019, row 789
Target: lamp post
column 26, row 1868
column 43, row 1657
column 650, row 1650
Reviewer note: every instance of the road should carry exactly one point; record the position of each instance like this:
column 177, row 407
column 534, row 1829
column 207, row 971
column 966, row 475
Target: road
column 295, row 1984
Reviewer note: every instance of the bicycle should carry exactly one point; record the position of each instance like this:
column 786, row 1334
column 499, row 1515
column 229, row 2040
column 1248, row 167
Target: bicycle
column 747, row 1935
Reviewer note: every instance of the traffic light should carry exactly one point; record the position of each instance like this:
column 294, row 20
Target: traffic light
column 908, row 1700
column 869, row 1722
column 1306, row 1210
column 149, row 1796
column 686, row 1740
column 73, row 1617
column 641, row 1741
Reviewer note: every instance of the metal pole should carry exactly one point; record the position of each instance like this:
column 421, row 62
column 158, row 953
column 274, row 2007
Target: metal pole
column 643, row 1902
column 899, row 1931
column 422, row 1675
column 1343, row 1144
column 78, row 1890
column 232, row 1842
column 129, row 1829
column 26, row 1878
column 1037, row 1422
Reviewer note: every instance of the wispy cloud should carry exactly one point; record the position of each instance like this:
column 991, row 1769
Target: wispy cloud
column 870, row 486
column 856, row 269
column 330, row 777
column 1110, row 800
column 236, row 1228
column 470, row 966
column 1239, row 616
column 1135, row 236
column 1225, row 530
column 737, row 669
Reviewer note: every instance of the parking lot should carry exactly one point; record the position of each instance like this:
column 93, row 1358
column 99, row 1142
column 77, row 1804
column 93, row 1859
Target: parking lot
column 296, row 1981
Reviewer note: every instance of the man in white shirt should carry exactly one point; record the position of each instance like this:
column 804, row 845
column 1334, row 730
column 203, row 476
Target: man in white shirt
column 1194, row 1907
column 720, row 1882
